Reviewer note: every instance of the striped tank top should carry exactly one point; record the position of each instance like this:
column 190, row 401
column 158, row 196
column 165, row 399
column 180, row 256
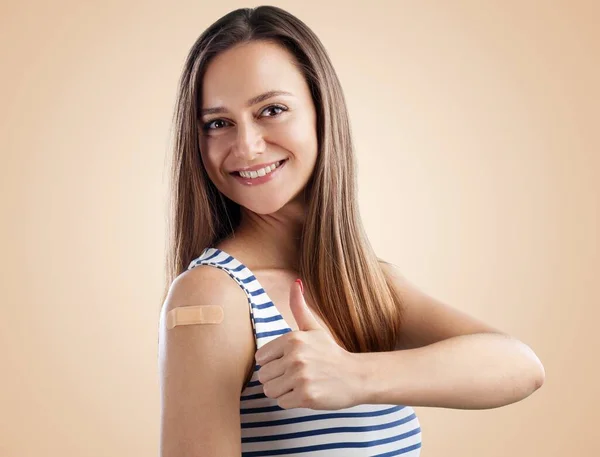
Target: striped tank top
column 267, row 429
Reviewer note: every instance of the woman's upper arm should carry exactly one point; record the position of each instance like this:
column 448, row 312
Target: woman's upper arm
column 426, row 319
column 202, row 368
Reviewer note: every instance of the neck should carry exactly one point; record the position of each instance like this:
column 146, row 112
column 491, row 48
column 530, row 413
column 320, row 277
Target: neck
column 273, row 239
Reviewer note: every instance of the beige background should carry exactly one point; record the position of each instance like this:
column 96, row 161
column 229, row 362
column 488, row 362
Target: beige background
column 476, row 124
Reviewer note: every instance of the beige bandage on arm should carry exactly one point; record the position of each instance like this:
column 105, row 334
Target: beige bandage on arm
column 189, row 315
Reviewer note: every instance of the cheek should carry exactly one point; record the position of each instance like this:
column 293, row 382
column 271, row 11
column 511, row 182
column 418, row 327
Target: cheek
column 299, row 136
column 211, row 152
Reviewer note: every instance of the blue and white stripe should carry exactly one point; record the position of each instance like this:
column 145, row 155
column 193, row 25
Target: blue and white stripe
column 267, row 429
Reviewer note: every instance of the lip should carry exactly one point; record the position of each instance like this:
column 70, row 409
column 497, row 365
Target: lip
column 261, row 179
column 257, row 167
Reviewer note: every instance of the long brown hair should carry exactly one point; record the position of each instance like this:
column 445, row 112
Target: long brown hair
column 340, row 269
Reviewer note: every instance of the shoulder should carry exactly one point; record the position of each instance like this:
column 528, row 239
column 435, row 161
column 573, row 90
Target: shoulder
column 389, row 267
column 206, row 285
column 393, row 274
column 397, row 281
column 208, row 343
column 203, row 283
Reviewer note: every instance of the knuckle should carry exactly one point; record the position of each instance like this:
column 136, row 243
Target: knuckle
column 296, row 339
column 298, row 362
column 303, row 379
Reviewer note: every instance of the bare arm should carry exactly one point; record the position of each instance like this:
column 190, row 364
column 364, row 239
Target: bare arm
column 476, row 371
column 452, row 359
column 202, row 368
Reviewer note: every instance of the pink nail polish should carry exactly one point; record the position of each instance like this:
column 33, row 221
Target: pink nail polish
column 299, row 281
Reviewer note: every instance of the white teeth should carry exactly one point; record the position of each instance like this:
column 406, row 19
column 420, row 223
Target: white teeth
column 261, row 172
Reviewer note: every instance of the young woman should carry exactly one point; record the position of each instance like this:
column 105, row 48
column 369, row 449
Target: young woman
column 264, row 194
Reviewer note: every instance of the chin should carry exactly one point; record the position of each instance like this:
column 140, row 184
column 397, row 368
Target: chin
column 267, row 206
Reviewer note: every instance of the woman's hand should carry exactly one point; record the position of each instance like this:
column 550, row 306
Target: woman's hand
column 307, row 368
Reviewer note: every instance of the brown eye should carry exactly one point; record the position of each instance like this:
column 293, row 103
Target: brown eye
column 275, row 107
column 207, row 126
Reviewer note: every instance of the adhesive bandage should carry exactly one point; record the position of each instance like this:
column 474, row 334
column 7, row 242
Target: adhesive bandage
column 189, row 315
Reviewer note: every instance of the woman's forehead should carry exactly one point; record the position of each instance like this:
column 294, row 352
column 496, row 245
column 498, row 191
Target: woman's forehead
column 246, row 70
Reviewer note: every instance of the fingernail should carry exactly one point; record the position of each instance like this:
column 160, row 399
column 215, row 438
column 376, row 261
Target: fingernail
column 299, row 281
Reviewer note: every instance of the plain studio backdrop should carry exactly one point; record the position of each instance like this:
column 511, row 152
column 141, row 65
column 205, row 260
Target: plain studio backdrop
column 476, row 127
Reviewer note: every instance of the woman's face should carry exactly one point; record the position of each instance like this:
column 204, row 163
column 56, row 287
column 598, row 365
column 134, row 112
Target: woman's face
column 237, row 132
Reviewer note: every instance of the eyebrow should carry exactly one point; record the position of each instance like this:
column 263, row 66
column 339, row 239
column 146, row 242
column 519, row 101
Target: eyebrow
column 249, row 103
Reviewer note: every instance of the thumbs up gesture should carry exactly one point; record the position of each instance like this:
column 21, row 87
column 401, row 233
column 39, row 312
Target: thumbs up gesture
column 307, row 368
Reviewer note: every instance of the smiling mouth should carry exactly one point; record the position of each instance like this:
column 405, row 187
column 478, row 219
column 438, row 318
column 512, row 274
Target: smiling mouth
column 279, row 164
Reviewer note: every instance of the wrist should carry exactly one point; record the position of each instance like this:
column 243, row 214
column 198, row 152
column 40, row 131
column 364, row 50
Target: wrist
column 380, row 378
column 365, row 375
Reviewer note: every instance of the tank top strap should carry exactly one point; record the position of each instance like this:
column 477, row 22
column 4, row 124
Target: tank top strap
column 220, row 259
column 267, row 321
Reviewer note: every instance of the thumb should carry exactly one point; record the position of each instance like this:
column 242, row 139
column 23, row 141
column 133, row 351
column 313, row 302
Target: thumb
column 302, row 314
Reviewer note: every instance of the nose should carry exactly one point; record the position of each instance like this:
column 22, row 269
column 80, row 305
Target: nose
column 249, row 141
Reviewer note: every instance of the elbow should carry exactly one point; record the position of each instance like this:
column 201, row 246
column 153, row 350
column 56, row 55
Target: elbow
column 539, row 375
column 536, row 374
column 525, row 383
column 532, row 373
